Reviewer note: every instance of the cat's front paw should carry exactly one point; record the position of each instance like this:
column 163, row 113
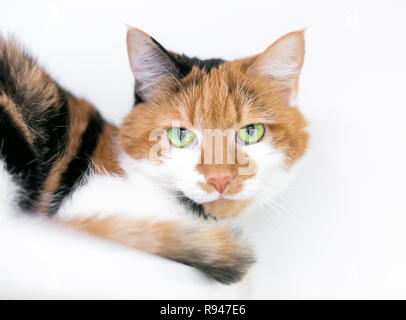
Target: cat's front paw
column 221, row 253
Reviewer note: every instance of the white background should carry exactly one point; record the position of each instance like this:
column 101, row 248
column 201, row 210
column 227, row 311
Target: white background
column 341, row 231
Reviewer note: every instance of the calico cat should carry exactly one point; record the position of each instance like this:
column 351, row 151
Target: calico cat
column 164, row 180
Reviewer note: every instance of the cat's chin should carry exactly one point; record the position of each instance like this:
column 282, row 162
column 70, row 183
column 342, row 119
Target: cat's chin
column 225, row 208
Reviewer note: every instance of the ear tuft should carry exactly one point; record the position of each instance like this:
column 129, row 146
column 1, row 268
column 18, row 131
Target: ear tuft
column 150, row 62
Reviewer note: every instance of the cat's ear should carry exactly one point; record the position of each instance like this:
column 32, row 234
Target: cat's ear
column 282, row 61
column 150, row 63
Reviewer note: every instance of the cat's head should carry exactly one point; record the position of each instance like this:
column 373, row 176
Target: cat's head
column 220, row 134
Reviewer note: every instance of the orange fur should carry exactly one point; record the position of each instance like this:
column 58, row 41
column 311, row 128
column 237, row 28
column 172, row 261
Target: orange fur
column 106, row 153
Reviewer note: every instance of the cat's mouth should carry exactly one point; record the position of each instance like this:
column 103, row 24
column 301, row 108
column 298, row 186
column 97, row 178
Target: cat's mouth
column 216, row 198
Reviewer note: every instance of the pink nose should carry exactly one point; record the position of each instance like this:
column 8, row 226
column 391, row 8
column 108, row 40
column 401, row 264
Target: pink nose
column 219, row 183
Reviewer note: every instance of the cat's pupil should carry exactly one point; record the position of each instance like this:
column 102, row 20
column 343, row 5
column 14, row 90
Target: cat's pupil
column 182, row 133
column 250, row 130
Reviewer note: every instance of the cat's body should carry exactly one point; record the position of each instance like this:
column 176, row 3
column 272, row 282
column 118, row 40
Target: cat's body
column 60, row 158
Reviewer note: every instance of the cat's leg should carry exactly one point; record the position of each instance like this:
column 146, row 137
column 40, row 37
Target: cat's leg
column 217, row 250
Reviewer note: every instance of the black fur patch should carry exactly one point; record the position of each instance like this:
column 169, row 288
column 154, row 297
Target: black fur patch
column 81, row 163
column 137, row 98
column 184, row 65
column 47, row 123
column 54, row 125
column 21, row 160
column 226, row 274
column 194, row 207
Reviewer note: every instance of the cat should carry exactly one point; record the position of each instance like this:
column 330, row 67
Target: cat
column 205, row 140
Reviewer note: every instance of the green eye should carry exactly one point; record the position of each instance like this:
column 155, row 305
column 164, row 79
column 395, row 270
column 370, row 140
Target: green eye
column 251, row 133
column 180, row 137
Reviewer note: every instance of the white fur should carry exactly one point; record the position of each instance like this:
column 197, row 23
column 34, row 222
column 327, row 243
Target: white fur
column 151, row 190
column 272, row 176
column 8, row 193
column 135, row 195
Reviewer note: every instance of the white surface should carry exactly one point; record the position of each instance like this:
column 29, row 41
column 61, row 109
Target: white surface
column 341, row 233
